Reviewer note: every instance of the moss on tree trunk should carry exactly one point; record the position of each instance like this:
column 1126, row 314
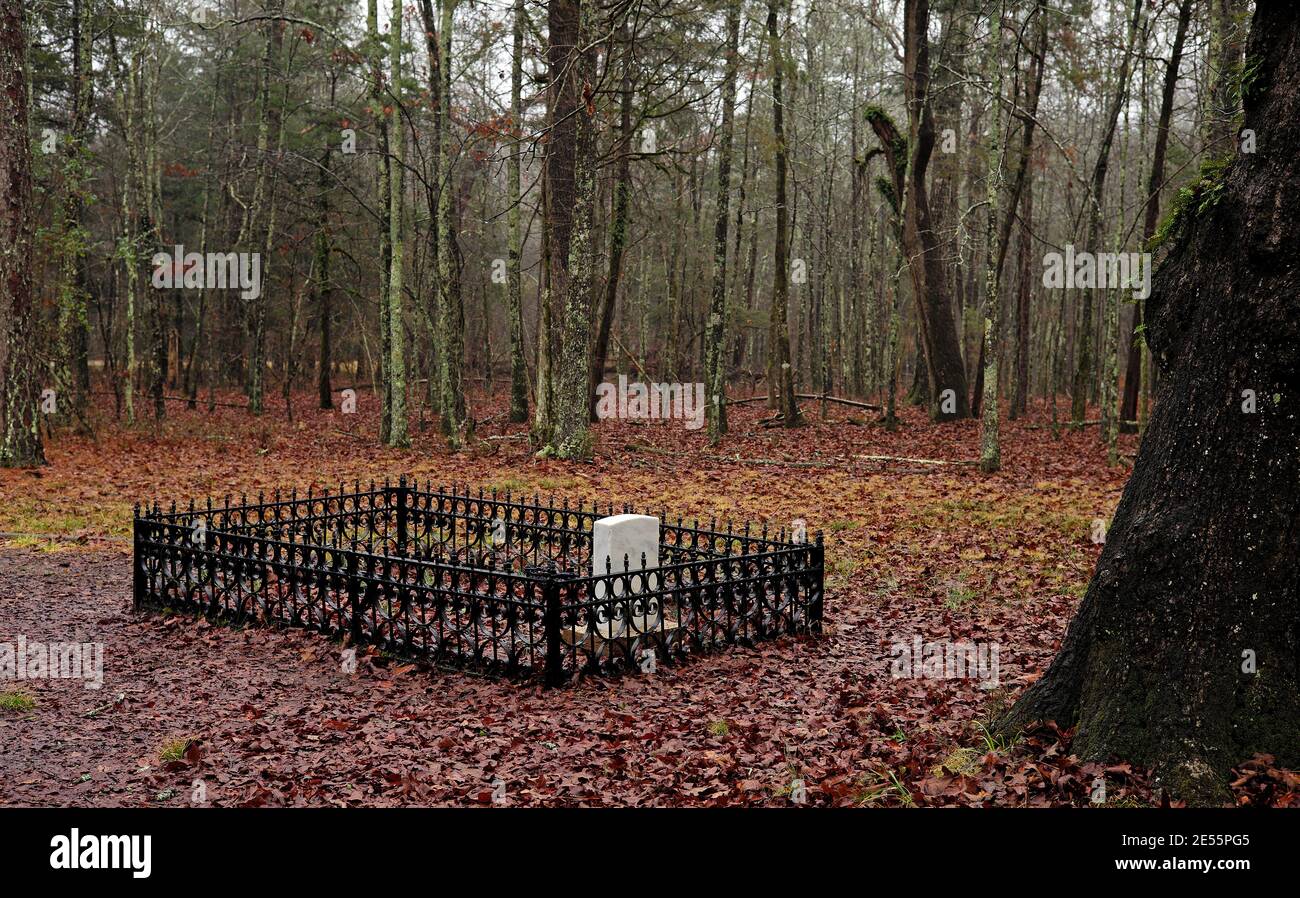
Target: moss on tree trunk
column 20, row 435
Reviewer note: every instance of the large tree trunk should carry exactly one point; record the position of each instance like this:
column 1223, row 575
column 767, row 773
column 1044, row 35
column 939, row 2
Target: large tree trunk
column 1184, row 652
column 929, row 283
column 20, row 439
column 558, row 171
column 572, row 438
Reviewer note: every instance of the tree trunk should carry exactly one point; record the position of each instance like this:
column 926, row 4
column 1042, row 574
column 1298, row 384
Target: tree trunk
column 20, row 441
column 1227, row 28
column 919, row 393
column 544, row 385
column 618, row 225
column 518, row 368
column 856, row 360
column 1083, row 373
column 397, row 428
column 269, row 119
column 1133, row 370
column 151, row 190
column 1024, row 298
column 76, row 322
column 382, row 172
column 998, row 239
column 933, row 302
column 744, row 274
column 715, row 367
column 675, row 255
column 780, row 370
column 562, row 101
column 945, row 215
column 127, row 246
column 451, row 398
column 1183, row 654
column 201, row 343
column 990, row 351
column 321, row 279
column 572, row 439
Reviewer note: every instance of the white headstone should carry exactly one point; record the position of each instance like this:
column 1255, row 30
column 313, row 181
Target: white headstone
column 618, row 544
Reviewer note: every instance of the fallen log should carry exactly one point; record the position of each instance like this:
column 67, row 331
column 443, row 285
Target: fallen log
column 915, row 461
column 814, row 397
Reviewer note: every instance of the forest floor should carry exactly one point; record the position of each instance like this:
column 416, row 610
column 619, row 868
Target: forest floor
column 268, row 717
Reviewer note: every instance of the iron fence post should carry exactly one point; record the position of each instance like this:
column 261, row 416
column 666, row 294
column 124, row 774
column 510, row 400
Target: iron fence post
column 401, row 492
column 137, row 561
column 354, row 587
column 817, row 582
column 551, row 626
column 212, row 570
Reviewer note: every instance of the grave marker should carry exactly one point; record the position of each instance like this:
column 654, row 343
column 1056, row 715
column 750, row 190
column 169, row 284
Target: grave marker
column 622, row 543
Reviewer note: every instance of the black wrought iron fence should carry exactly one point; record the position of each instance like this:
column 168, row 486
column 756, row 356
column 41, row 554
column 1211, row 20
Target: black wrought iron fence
column 483, row 580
